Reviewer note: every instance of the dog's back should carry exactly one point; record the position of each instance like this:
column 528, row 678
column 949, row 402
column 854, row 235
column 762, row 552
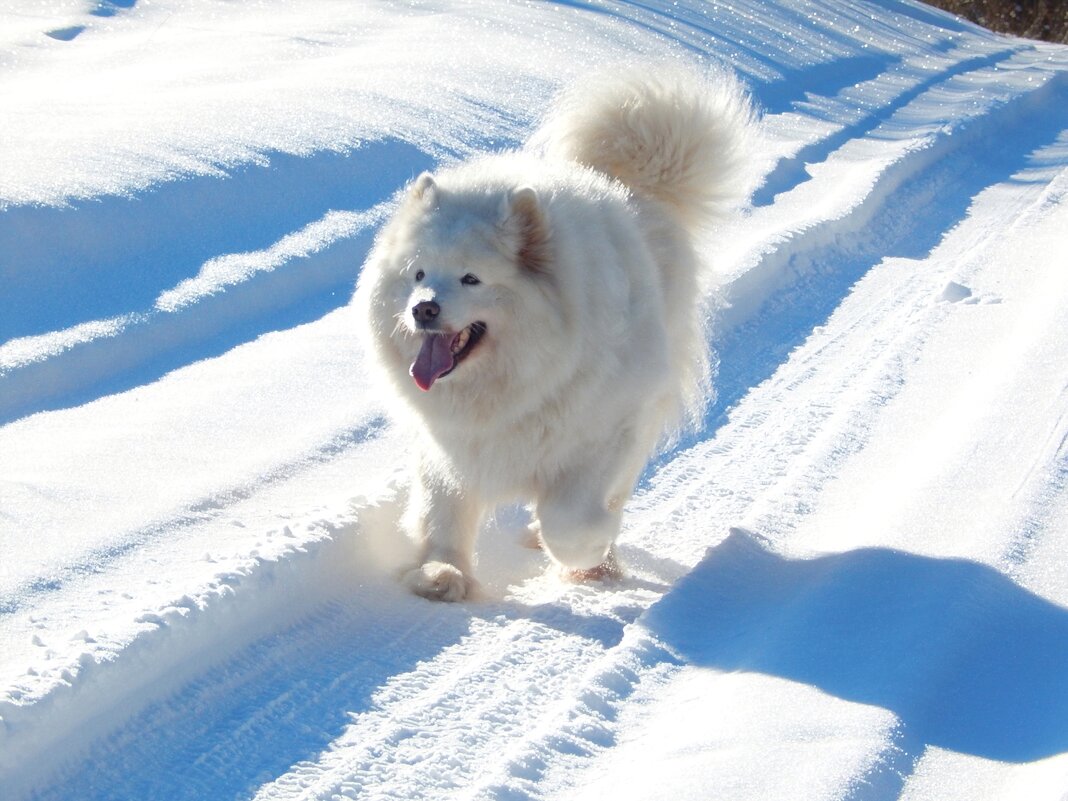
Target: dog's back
column 677, row 141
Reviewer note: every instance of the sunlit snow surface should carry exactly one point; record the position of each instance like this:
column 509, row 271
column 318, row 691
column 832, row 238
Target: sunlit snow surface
column 850, row 584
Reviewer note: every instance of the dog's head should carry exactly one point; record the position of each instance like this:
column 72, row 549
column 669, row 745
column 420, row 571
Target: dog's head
column 448, row 288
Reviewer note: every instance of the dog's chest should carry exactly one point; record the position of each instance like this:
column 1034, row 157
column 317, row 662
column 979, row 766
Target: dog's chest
column 506, row 462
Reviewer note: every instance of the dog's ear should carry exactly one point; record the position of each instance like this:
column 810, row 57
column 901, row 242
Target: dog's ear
column 525, row 228
column 424, row 189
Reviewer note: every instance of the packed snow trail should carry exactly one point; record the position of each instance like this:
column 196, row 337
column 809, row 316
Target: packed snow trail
column 849, row 584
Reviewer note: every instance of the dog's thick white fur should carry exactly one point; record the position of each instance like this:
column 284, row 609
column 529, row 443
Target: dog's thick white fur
column 534, row 315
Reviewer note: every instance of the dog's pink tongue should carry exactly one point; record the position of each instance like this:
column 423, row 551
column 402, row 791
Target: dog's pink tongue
column 435, row 358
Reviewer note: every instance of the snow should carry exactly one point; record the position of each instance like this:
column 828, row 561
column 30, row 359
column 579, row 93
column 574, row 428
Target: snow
column 851, row 583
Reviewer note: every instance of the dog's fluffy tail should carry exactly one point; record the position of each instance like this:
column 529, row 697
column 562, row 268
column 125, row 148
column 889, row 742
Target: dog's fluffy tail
column 664, row 132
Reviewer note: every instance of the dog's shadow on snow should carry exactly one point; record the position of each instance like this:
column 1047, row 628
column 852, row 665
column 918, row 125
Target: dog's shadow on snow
column 966, row 658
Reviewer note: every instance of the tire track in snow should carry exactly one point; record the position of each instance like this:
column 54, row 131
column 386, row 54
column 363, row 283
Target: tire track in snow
column 797, row 284
column 792, row 171
column 442, row 727
column 758, row 339
column 159, row 299
column 284, row 286
column 198, row 512
column 106, row 255
column 477, row 678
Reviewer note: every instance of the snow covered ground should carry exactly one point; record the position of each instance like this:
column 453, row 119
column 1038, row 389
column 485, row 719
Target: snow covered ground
column 852, row 583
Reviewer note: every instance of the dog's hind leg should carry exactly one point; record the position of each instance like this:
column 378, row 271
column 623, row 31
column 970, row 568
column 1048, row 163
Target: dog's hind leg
column 444, row 521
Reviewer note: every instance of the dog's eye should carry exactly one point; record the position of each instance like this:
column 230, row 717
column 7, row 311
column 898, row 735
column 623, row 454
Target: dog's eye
column 420, row 275
column 470, row 280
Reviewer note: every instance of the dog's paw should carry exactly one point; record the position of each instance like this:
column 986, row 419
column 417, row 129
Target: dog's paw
column 439, row 581
column 609, row 570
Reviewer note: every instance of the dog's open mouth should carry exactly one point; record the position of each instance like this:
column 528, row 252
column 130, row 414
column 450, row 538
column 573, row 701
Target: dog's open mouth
column 440, row 353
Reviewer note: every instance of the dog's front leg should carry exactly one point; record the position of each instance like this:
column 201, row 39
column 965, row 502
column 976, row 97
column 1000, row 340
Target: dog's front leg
column 580, row 512
column 578, row 527
column 444, row 520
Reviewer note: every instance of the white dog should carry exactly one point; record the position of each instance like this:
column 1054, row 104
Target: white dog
column 536, row 314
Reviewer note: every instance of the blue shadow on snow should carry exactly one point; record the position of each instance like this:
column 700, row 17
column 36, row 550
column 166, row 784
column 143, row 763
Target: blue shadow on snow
column 108, row 256
column 963, row 656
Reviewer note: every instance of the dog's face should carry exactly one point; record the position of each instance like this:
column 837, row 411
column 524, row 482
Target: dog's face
column 454, row 295
column 451, row 282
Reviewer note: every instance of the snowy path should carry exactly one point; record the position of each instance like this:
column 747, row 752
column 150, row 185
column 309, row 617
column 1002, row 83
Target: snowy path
column 850, row 584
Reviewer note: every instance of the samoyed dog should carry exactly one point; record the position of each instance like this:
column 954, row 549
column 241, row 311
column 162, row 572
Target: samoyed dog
column 535, row 315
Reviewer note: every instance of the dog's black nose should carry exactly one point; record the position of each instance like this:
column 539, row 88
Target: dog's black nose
column 426, row 311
